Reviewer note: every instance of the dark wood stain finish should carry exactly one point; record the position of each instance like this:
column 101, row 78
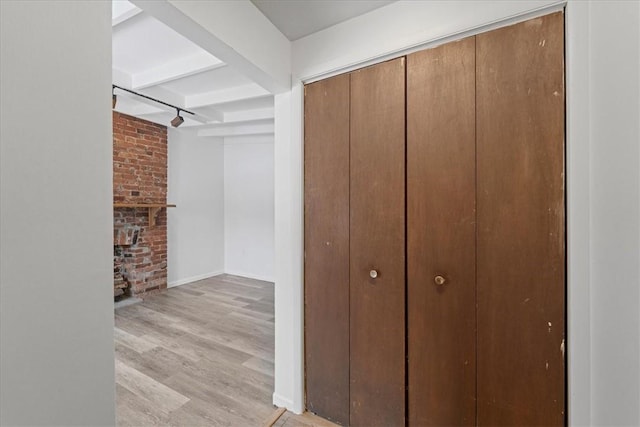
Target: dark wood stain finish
column 326, row 244
column 441, row 234
column 378, row 243
column 521, row 224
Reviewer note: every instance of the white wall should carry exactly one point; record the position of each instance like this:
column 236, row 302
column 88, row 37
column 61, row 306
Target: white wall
column 56, row 220
column 614, row 73
column 396, row 27
column 578, row 224
column 249, row 207
column 289, row 209
column 195, row 227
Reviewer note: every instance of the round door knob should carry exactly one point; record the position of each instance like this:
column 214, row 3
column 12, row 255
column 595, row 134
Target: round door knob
column 439, row 280
column 373, row 274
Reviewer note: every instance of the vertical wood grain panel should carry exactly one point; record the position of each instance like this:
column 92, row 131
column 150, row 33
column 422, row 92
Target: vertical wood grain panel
column 521, row 224
column 378, row 242
column 326, row 188
column 441, row 234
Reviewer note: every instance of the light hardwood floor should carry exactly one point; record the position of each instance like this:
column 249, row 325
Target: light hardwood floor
column 199, row 355
column 305, row 420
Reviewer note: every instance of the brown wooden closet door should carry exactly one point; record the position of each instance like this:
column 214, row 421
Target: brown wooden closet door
column 521, row 224
column 441, row 180
column 378, row 244
column 326, row 245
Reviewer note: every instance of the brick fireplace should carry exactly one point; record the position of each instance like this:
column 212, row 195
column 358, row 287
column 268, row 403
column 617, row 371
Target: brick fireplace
column 139, row 233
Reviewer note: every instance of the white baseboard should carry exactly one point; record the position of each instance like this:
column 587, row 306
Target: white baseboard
column 194, row 278
column 282, row 402
column 250, row 276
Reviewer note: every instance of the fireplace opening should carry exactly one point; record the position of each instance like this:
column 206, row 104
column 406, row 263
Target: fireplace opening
column 124, row 237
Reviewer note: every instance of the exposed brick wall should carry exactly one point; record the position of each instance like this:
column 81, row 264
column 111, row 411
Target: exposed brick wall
column 139, row 176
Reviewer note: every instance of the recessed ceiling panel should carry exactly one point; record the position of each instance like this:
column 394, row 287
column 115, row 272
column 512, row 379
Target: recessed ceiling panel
column 143, row 43
column 246, row 104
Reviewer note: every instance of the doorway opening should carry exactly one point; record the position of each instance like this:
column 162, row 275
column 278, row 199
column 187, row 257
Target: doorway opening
column 193, row 231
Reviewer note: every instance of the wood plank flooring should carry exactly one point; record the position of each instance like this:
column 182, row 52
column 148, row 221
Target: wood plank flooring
column 305, row 420
column 200, row 354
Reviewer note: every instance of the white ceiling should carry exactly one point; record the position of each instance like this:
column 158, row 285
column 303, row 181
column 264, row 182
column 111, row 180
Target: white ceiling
column 298, row 18
column 141, row 43
column 151, row 58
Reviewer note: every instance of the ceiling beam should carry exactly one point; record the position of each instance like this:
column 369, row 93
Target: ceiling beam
column 251, row 139
column 174, row 70
column 259, row 51
column 124, row 12
column 203, row 117
column 148, row 105
column 211, row 116
column 135, row 109
column 196, row 118
column 165, row 95
column 265, row 129
column 214, row 114
column 164, row 118
column 159, row 109
column 249, row 115
column 248, row 123
column 120, row 78
column 223, row 96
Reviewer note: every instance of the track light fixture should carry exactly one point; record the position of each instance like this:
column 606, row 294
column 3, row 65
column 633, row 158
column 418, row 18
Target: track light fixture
column 175, row 122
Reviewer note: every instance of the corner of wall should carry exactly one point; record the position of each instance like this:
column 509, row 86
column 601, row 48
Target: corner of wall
column 578, row 214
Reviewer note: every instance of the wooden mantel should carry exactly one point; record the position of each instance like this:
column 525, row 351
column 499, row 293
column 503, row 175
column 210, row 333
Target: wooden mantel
column 153, row 209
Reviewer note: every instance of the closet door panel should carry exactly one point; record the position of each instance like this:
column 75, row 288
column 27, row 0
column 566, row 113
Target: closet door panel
column 441, row 235
column 521, row 224
column 377, row 225
column 326, row 245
